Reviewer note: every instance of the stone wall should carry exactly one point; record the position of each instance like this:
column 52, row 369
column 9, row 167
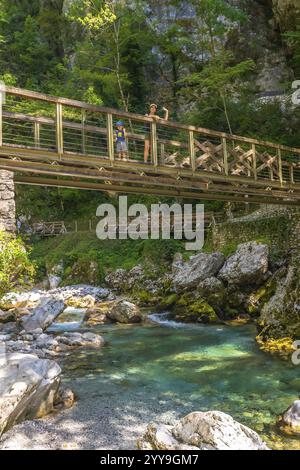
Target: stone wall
column 281, row 231
column 7, row 202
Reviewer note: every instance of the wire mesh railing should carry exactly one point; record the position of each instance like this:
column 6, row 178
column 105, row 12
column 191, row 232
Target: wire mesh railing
column 66, row 127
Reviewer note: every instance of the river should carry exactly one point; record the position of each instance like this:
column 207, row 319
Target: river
column 163, row 370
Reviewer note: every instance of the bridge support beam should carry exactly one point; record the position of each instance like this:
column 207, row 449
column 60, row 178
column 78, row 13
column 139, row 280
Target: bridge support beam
column 7, row 202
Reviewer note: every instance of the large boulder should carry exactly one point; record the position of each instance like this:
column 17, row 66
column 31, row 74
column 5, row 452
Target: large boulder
column 125, row 312
column 290, row 420
column 279, row 316
column 55, row 275
column 17, row 300
column 198, row 268
column 248, row 265
column 28, row 387
column 211, row 430
column 213, row 291
column 7, row 316
column 123, row 280
column 43, row 315
column 191, row 307
column 98, row 313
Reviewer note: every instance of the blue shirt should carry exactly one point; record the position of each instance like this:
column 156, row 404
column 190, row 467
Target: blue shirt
column 120, row 135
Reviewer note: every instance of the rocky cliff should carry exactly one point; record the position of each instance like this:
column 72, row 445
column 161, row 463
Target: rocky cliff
column 7, row 202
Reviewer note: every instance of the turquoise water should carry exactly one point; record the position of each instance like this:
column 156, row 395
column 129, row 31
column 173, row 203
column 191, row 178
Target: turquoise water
column 193, row 367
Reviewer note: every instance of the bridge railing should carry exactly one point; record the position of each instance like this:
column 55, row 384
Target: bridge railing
column 67, row 127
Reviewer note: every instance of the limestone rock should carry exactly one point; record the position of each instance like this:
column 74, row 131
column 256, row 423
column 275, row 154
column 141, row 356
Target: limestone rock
column 43, row 315
column 98, row 314
column 123, row 280
column 28, row 387
column 211, row 430
column 64, row 399
column 213, row 291
column 290, row 422
column 248, row 265
column 125, row 312
column 279, row 316
column 7, row 316
column 55, row 275
column 7, row 202
column 17, row 300
column 197, row 269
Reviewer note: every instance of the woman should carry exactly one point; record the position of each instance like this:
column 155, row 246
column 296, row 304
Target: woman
column 154, row 116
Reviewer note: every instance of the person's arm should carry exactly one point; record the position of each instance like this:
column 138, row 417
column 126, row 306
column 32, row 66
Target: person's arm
column 166, row 113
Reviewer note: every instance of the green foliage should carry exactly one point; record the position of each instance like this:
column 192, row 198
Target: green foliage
column 93, row 15
column 84, row 247
column 16, row 269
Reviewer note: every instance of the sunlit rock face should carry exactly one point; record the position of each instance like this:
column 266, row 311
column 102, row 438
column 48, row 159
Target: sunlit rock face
column 285, row 12
column 212, row 430
column 7, row 202
column 260, row 39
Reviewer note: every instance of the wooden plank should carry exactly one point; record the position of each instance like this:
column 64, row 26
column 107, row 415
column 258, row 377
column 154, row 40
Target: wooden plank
column 137, row 180
column 161, row 192
column 79, row 159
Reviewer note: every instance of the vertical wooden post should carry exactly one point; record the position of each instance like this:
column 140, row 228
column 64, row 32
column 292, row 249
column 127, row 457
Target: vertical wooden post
column 1, row 115
column 110, row 137
column 225, row 155
column 83, row 140
column 154, row 143
column 192, row 150
column 162, row 153
column 292, row 173
column 37, row 134
column 59, row 129
column 76, row 226
column 254, row 165
column 279, row 166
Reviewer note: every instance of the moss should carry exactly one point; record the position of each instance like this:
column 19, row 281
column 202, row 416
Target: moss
column 259, row 298
column 282, row 347
column 144, row 297
column 192, row 308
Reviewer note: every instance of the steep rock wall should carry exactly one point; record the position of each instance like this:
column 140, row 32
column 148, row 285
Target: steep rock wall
column 7, row 202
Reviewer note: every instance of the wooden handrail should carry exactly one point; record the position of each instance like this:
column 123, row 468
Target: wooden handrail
column 100, row 109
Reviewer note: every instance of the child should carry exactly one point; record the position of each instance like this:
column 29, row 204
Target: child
column 121, row 140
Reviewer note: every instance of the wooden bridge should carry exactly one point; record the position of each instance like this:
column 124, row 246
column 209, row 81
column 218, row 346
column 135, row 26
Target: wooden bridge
column 53, row 141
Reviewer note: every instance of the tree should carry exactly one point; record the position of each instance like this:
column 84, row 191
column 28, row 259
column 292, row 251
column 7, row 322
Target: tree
column 216, row 74
column 16, row 268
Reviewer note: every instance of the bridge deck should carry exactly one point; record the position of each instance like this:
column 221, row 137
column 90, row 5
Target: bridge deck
column 55, row 141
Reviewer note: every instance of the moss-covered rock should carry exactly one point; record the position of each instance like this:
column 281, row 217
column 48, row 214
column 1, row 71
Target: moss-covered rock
column 83, row 271
column 282, row 347
column 280, row 316
column 214, row 292
column 260, row 297
column 193, row 308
